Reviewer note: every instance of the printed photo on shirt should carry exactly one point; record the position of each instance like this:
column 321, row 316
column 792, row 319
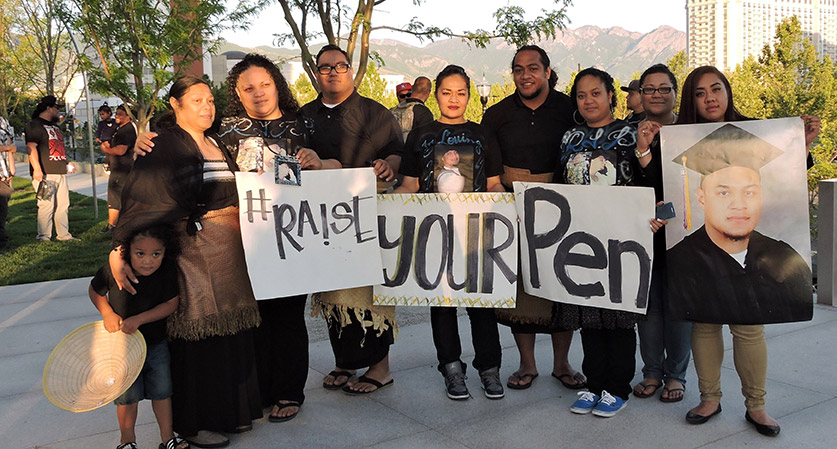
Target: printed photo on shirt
column 453, row 169
column 592, row 167
column 258, row 153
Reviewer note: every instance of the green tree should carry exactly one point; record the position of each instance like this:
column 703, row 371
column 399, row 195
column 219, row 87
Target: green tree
column 679, row 66
column 303, row 91
column 374, row 87
column 789, row 79
column 311, row 20
column 141, row 45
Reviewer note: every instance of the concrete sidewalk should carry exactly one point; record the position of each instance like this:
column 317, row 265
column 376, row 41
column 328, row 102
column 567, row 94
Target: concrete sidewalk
column 414, row 412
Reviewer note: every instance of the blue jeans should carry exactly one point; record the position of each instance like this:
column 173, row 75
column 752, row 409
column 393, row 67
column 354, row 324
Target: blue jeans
column 154, row 382
column 665, row 346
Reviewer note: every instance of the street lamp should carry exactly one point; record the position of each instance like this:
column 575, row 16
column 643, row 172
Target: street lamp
column 484, row 91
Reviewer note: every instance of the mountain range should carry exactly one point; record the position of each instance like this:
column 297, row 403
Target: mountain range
column 620, row 52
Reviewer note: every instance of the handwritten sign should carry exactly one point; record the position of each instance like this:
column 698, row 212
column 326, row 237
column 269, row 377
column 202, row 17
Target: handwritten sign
column 320, row 236
column 586, row 245
column 457, row 249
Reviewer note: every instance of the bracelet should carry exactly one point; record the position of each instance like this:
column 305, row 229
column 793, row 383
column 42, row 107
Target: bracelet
column 643, row 154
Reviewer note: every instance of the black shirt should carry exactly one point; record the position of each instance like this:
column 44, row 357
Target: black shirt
column 477, row 153
column 50, row 142
column 152, row 291
column 124, row 135
column 358, row 130
column 530, row 139
column 600, row 156
column 293, row 130
column 707, row 285
column 106, row 129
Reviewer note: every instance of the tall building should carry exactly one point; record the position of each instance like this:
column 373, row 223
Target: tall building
column 724, row 32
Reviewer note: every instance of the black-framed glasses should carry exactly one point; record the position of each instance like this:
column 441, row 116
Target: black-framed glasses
column 665, row 90
column 340, row 67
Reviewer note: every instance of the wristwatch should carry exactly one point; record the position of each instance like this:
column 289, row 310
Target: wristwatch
column 643, row 154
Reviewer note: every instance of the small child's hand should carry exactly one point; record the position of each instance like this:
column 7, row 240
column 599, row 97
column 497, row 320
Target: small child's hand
column 130, row 325
column 113, row 322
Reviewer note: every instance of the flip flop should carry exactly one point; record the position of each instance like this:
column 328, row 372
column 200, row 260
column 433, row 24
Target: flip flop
column 668, row 390
column 335, row 374
column 578, row 377
column 363, row 379
column 641, row 389
column 520, row 378
column 272, row 418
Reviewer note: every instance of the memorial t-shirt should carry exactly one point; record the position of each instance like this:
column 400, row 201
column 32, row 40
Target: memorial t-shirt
column 451, row 158
column 51, row 153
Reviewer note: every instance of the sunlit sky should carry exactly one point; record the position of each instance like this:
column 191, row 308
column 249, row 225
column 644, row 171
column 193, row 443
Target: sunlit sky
column 469, row 15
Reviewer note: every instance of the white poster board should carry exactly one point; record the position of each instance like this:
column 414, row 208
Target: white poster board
column 319, row 236
column 586, row 245
column 457, row 249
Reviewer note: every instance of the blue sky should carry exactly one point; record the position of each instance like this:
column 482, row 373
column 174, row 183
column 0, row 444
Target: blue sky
column 460, row 15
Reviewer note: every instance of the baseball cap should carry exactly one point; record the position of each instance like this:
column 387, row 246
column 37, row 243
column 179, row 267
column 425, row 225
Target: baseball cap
column 51, row 101
column 632, row 86
column 403, row 87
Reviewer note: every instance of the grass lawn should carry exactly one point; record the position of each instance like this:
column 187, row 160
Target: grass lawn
column 34, row 261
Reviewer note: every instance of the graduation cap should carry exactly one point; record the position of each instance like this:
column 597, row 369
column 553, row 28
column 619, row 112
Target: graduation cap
column 727, row 146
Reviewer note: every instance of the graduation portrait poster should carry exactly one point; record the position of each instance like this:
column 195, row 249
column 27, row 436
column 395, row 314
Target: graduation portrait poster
column 739, row 250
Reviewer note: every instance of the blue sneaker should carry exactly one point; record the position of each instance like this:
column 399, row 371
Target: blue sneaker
column 609, row 405
column 585, row 403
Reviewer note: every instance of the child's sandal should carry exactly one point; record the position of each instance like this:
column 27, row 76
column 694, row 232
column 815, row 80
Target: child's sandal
column 173, row 443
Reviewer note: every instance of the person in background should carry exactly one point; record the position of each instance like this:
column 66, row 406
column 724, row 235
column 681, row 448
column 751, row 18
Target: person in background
column 403, row 91
column 633, row 102
column 412, row 113
column 120, row 151
column 7, row 172
column 107, row 124
column 527, row 124
column 48, row 168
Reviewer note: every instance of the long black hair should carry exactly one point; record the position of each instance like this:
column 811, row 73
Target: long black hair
column 688, row 106
column 287, row 102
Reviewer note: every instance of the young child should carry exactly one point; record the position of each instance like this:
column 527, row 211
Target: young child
column 151, row 254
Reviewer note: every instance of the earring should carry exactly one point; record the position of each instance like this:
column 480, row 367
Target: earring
column 577, row 121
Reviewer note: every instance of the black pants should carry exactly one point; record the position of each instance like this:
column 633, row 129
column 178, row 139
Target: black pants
column 356, row 347
column 609, row 360
column 5, row 194
column 484, row 335
column 282, row 350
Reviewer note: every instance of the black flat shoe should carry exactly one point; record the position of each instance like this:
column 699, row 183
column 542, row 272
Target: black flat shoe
column 764, row 429
column 694, row 418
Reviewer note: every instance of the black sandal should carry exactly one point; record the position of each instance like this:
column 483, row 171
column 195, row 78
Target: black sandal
column 131, row 445
column 174, row 442
column 272, row 418
column 335, row 374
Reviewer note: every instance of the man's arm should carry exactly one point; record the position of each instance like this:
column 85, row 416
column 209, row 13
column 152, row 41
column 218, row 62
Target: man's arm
column 35, row 161
column 118, row 150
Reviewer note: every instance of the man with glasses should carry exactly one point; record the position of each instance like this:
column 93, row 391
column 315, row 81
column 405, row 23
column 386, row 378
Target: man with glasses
column 403, row 91
column 663, row 344
column 48, row 168
column 633, row 102
column 412, row 113
column 362, row 133
column 120, row 151
column 529, row 125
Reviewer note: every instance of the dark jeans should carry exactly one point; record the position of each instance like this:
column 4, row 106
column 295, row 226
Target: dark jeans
column 484, row 335
column 665, row 345
column 282, row 350
column 5, row 194
column 609, row 360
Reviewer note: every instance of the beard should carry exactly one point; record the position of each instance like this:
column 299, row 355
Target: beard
column 738, row 237
column 534, row 94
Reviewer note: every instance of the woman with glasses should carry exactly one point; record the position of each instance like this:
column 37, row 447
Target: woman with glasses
column 600, row 151
column 663, row 344
column 451, row 155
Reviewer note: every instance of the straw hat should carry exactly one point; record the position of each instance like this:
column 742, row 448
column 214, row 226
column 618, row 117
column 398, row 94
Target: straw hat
column 91, row 367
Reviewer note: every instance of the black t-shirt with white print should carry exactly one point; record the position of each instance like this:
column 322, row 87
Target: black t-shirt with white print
column 451, row 158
